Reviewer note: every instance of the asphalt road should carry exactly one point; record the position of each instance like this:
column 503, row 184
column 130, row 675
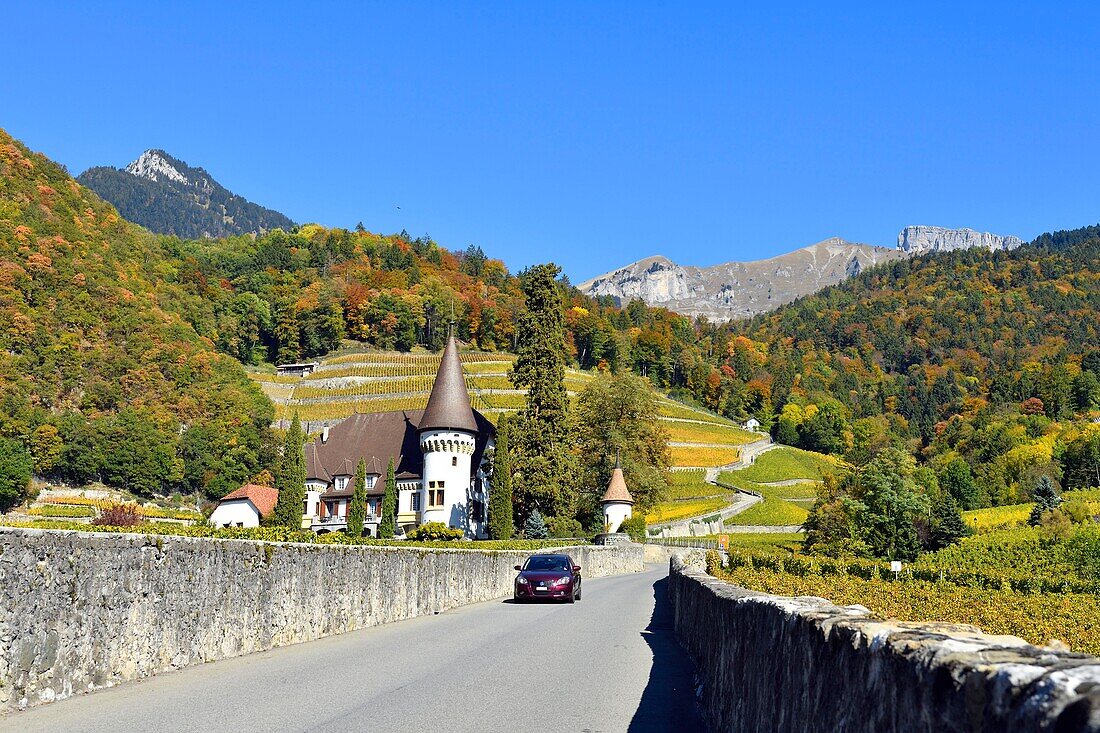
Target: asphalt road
column 610, row 662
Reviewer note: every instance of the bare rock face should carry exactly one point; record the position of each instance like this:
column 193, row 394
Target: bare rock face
column 738, row 289
column 919, row 240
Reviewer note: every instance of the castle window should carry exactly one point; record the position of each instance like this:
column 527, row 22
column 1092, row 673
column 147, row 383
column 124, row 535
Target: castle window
column 454, row 460
column 441, row 484
column 435, row 498
column 415, row 502
column 431, row 484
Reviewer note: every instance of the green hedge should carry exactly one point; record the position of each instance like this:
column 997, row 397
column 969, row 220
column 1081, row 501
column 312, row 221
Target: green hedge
column 282, row 534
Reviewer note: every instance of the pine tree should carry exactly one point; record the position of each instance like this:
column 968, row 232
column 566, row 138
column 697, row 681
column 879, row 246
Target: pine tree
column 1046, row 498
column 541, row 429
column 535, row 528
column 357, row 509
column 948, row 526
column 290, row 479
column 501, row 525
column 387, row 525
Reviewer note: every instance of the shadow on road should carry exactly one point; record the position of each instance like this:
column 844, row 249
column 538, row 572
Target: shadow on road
column 668, row 702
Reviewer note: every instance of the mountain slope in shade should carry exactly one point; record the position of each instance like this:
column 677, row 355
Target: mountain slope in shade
column 167, row 196
column 737, row 290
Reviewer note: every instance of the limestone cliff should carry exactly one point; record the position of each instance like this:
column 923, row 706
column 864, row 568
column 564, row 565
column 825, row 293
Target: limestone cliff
column 919, row 240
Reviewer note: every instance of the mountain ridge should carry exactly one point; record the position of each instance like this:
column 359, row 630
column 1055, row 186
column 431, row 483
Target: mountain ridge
column 167, row 196
column 735, row 290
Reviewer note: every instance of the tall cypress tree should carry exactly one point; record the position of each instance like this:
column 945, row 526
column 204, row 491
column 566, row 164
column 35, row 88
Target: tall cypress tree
column 541, row 429
column 501, row 525
column 357, row 509
column 387, row 525
column 290, row 478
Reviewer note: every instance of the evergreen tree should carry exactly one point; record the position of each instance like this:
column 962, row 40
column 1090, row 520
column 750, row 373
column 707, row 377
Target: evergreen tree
column 501, row 525
column 948, row 526
column 357, row 509
column 290, row 479
column 541, row 429
column 535, row 528
column 1046, row 498
column 387, row 525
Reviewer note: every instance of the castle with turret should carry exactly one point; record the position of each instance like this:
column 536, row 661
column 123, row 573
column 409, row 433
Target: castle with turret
column 440, row 457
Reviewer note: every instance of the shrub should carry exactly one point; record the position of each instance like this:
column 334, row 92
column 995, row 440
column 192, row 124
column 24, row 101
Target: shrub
column 435, row 532
column 564, row 527
column 120, row 515
column 635, row 527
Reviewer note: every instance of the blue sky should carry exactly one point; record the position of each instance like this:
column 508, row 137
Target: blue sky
column 592, row 134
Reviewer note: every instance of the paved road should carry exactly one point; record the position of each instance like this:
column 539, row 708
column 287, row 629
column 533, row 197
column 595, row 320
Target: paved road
column 608, row 663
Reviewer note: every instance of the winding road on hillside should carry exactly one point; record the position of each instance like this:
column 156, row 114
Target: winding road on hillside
column 610, row 662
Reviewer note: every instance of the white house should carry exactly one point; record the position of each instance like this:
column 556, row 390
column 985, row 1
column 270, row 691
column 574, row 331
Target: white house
column 618, row 504
column 439, row 457
column 752, row 424
column 245, row 507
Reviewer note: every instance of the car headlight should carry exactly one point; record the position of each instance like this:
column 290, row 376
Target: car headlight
column 563, row 581
column 522, row 580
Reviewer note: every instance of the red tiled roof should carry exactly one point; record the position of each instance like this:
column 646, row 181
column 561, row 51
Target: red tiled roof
column 263, row 497
column 616, row 489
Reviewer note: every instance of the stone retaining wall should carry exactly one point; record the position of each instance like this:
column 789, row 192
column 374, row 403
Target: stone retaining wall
column 80, row 611
column 770, row 663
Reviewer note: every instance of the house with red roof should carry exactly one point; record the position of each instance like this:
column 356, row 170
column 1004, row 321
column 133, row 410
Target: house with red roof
column 245, row 507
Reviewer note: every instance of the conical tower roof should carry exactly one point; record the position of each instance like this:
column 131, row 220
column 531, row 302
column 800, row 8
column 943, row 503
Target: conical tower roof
column 616, row 489
column 449, row 404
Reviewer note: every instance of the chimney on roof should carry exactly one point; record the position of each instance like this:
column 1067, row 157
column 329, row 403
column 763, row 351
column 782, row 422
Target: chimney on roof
column 324, row 434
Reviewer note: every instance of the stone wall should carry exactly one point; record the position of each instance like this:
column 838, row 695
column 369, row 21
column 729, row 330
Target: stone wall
column 80, row 611
column 769, row 663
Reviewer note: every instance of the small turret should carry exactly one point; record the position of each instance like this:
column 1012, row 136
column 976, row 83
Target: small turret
column 617, row 502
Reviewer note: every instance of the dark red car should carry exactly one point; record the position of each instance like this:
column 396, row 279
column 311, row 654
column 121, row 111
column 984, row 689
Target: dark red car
column 548, row 576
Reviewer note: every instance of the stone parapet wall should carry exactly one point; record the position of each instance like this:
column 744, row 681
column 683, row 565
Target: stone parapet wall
column 770, row 663
column 81, row 611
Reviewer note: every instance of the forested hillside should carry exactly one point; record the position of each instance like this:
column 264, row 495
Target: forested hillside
column 98, row 379
column 982, row 364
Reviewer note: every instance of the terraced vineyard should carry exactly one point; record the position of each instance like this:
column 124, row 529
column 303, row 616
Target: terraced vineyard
column 358, row 381
column 787, row 478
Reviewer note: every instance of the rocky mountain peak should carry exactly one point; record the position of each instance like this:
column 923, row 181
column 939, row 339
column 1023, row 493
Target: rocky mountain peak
column 156, row 164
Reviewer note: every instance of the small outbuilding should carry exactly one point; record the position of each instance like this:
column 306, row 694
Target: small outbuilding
column 245, row 507
column 296, row 370
column 618, row 504
column 752, row 424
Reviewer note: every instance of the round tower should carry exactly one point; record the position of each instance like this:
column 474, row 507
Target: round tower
column 448, row 439
column 617, row 502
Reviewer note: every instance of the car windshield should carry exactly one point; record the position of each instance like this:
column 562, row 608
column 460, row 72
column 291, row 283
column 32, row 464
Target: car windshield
column 547, row 563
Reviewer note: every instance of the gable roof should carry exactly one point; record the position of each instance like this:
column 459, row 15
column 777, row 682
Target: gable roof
column 376, row 437
column 263, row 498
column 449, row 404
column 616, row 489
